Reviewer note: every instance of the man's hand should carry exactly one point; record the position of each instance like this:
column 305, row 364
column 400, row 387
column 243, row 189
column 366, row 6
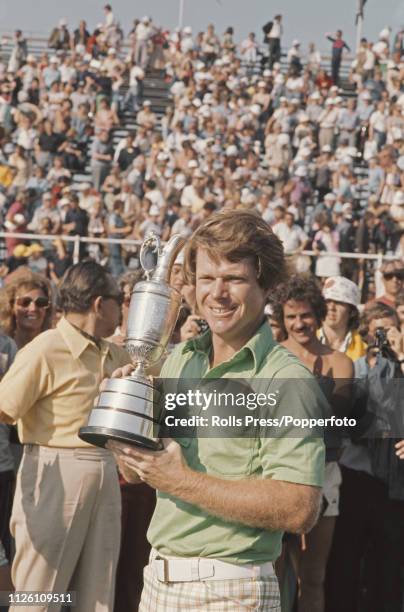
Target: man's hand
column 190, row 329
column 164, row 470
column 400, row 449
column 119, row 451
column 396, row 341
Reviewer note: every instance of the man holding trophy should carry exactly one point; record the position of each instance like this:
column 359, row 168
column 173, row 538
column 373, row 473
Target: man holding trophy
column 222, row 503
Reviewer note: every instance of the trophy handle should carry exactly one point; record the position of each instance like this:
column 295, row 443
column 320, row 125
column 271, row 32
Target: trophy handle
column 149, row 254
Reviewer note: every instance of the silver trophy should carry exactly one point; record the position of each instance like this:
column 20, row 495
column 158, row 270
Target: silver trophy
column 127, row 408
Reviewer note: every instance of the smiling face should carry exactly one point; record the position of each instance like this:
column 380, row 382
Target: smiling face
column 300, row 321
column 229, row 297
column 28, row 311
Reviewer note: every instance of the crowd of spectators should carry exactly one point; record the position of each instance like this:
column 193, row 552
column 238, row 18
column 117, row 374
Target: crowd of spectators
column 318, row 154
column 285, row 141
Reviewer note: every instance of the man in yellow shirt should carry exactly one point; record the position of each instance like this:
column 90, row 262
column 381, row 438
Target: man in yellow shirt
column 66, row 513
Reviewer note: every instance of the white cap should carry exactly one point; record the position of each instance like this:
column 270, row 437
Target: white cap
column 31, row 58
column 295, row 43
column 63, row 202
column 267, row 73
column 326, row 149
column 398, row 198
column 53, row 60
column 341, row 289
column 187, row 30
column 111, row 51
column 301, row 171
column 384, row 34
column 231, row 151
column 84, row 186
column 330, row 197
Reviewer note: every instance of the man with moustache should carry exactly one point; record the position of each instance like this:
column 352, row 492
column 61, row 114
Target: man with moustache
column 223, row 504
column 300, row 306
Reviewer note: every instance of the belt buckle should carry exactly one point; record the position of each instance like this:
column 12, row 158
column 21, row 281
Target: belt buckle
column 165, row 571
column 163, row 566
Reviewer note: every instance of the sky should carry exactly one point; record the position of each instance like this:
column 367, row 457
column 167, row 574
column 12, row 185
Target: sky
column 306, row 20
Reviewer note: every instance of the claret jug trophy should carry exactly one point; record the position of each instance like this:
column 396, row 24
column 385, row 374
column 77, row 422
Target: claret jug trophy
column 127, row 408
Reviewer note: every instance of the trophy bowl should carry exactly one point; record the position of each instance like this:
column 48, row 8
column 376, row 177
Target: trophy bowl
column 128, row 409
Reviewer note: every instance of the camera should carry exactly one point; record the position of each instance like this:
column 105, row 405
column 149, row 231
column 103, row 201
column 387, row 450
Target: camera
column 381, row 338
column 383, row 345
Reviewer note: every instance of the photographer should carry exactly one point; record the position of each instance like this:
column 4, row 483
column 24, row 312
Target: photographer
column 369, row 530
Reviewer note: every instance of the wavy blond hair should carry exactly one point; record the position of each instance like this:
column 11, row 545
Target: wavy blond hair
column 27, row 281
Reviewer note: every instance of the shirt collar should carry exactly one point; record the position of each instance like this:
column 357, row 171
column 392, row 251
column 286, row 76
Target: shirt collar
column 257, row 348
column 75, row 340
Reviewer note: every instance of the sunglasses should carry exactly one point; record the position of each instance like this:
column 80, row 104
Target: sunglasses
column 399, row 275
column 25, row 302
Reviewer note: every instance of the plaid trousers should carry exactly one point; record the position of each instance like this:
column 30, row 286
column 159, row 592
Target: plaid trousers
column 260, row 595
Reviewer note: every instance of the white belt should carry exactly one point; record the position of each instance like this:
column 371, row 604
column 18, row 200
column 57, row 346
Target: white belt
column 198, row 569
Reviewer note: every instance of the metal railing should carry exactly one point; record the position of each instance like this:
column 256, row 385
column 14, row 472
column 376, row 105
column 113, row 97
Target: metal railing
column 77, row 240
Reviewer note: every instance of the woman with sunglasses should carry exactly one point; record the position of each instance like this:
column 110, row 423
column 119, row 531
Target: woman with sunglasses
column 392, row 277
column 25, row 308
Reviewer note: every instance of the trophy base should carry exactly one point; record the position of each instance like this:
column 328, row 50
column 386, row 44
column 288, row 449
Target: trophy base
column 99, row 436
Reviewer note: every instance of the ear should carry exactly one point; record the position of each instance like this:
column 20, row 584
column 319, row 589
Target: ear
column 97, row 304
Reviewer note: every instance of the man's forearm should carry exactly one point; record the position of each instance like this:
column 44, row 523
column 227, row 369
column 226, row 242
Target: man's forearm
column 268, row 504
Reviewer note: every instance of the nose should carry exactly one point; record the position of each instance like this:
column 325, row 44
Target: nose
column 219, row 288
column 32, row 307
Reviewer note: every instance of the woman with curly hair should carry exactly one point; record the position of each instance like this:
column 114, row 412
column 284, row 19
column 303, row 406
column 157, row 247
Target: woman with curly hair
column 26, row 308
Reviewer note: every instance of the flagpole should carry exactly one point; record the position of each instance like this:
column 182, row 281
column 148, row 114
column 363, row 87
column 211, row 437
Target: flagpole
column 359, row 26
column 181, row 14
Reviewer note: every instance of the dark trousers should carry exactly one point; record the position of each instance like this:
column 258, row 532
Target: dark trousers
column 6, row 502
column 138, row 502
column 363, row 573
column 335, row 66
column 274, row 47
